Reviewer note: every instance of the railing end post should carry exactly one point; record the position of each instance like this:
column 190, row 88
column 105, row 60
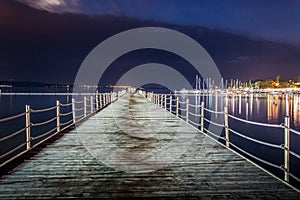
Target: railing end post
column 227, row 137
column 58, row 116
column 28, row 125
column 287, row 143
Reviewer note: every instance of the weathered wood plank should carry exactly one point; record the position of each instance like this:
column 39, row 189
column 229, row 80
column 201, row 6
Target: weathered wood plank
column 66, row 168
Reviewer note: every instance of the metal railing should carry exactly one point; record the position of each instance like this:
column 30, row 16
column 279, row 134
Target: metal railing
column 77, row 111
column 184, row 112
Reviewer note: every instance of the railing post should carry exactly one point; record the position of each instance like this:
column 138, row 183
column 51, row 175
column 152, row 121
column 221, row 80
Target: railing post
column 226, row 126
column 177, row 106
column 100, row 100
column 170, row 104
column 73, row 110
column 97, row 101
column 187, row 110
column 165, row 102
column 202, row 116
column 84, row 104
column 287, row 148
column 159, row 100
column 28, row 137
column 92, row 105
column 58, row 116
column 104, row 99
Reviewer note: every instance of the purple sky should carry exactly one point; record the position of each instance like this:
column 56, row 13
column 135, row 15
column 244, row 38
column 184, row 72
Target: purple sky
column 277, row 20
column 47, row 40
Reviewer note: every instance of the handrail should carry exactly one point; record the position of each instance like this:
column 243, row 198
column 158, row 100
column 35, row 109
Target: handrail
column 195, row 124
column 12, row 135
column 294, row 177
column 43, row 135
column 78, row 102
column 194, row 114
column 256, row 123
column 212, row 111
column 43, row 110
column 66, row 114
column 214, row 123
column 13, row 117
column 295, row 154
column 294, row 131
column 160, row 101
column 13, row 150
column 68, row 122
column 195, row 106
column 256, row 158
column 67, row 104
column 278, row 146
column 93, row 105
column 43, row 123
column 213, row 134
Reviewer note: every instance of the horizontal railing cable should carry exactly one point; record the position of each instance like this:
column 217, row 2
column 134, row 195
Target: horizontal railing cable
column 66, row 114
column 67, row 104
column 44, row 134
column 195, row 106
column 256, row 158
column 295, row 154
column 213, row 111
column 195, row 124
column 79, row 116
column 194, row 114
column 12, row 135
column 294, row 131
column 278, row 146
column 43, row 110
column 79, row 109
column 213, row 134
column 66, row 123
column 181, row 116
column 214, row 123
column 13, row 150
column 256, row 123
column 12, row 117
column 43, row 123
column 294, row 177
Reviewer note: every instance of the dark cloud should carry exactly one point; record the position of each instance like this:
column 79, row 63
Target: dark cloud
column 49, row 47
column 270, row 20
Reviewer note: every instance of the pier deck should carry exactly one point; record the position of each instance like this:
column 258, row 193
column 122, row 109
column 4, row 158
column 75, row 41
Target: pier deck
column 159, row 156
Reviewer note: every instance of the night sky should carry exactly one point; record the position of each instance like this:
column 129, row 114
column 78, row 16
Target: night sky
column 47, row 40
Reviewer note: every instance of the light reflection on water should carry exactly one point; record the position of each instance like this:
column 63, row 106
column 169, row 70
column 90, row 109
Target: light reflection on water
column 264, row 108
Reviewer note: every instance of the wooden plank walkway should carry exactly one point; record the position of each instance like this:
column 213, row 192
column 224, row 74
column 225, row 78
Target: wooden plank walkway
column 131, row 135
